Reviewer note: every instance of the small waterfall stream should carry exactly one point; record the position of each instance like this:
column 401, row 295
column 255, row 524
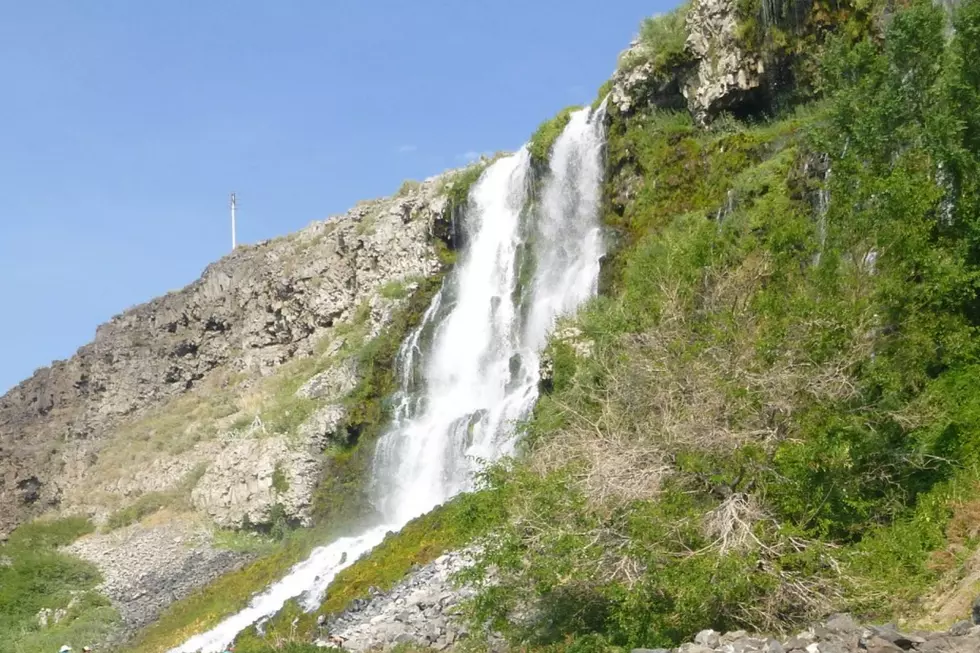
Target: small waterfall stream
column 470, row 369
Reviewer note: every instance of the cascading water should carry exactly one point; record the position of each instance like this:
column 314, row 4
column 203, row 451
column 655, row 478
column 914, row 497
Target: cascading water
column 470, row 370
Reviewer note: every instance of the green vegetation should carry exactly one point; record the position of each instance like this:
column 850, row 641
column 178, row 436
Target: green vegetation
column 228, row 594
column 177, row 499
column 777, row 419
column 604, row 90
column 408, row 186
column 174, row 427
column 258, row 544
column 424, row 539
column 661, row 43
column 794, row 34
column 340, row 493
column 457, row 188
column 394, row 290
column 146, row 505
column 279, row 481
column 544, row 138
column 34, row 576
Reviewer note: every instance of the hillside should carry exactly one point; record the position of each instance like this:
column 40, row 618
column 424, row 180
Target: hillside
column 766, row 415
column 223, row 405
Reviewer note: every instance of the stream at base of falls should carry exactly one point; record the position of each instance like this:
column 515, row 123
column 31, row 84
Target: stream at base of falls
column 469, row 371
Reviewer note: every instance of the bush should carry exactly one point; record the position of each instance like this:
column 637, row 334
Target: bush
column 771, row 424
column 662, row 41
column 394, row 290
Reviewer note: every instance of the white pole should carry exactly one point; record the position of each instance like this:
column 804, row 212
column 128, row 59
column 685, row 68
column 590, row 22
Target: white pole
column 233, row 244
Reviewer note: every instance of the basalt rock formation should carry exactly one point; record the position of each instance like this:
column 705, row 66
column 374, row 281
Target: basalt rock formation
column 253, row 310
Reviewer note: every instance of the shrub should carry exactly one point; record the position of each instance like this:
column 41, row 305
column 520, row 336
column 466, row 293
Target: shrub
column 279, row 481
column 394, row 290
column 661, row 42
column 768, row 427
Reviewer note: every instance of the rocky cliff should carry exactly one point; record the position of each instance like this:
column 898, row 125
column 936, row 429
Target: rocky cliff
column 249, row 313
column 715, row 56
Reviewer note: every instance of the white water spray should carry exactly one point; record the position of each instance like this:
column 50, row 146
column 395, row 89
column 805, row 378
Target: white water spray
column 470, row 370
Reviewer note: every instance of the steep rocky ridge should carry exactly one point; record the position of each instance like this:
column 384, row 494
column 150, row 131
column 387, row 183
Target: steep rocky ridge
column 250, row 312
column 707, row 65
column 735, row 56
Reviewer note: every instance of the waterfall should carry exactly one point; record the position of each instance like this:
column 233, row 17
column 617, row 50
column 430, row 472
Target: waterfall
column 469, row 371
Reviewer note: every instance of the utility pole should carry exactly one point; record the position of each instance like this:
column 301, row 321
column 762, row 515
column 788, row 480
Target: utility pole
column 233, row 243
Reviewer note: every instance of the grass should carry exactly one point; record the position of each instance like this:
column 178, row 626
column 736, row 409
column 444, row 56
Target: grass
column 177, row 499
column 766, row 429
column 36, row 576
column 258, row 544
column 547, row 133
column 173, row 428
column 457, row 187
column 661, row 43
column 396, row 289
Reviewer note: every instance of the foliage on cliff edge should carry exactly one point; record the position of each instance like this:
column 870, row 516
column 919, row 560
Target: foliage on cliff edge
column 778, row 417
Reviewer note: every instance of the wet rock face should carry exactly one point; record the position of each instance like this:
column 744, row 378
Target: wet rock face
column 254, row 309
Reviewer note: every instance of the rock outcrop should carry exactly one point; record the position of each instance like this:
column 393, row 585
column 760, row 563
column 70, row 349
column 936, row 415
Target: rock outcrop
column 727, row 75
column 636, row 85
column 248, row 313
column 720, row 72
column 422, row 609
column 250, row 477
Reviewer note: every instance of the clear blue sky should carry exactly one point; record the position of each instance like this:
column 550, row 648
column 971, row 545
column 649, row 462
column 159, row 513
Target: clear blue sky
column 124, row 125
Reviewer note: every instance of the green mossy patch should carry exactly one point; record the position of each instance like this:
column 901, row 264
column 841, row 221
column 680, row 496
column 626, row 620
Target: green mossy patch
column 35, row 576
